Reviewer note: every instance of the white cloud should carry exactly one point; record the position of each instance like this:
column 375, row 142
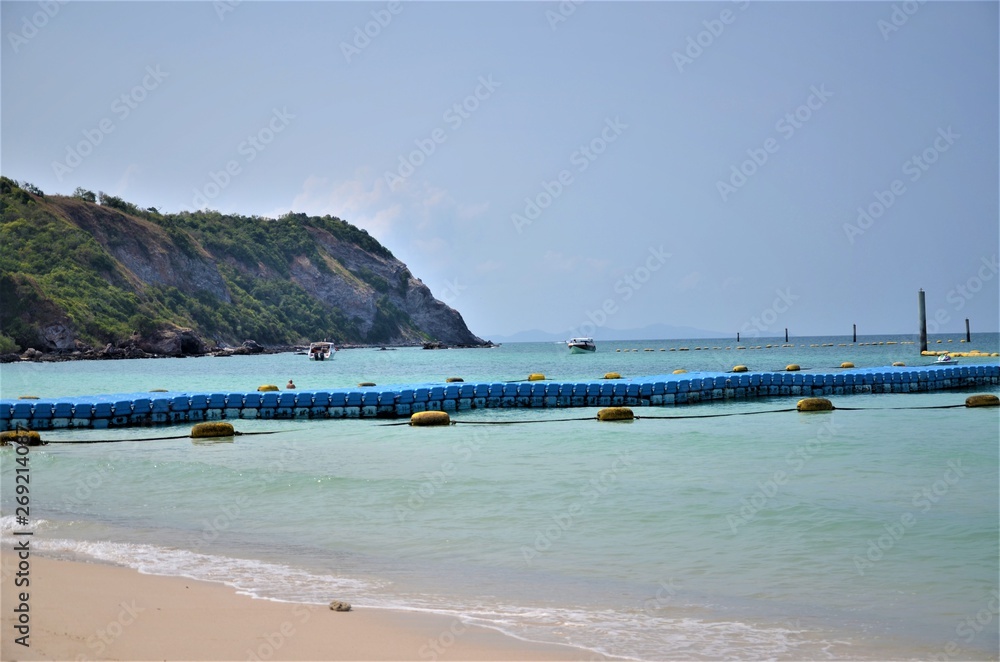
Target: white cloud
column 731, row 282
column 690, row 281
column 469, row 212
column 362, row 201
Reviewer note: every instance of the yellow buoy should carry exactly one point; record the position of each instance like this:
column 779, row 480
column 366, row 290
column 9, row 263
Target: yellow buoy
column 814, row 404
column 739, row 368
column 267, row 387
column 427, row 418
column 536, row 377
column 680, row 371
column 454, row 379
column 26, row 437
column 157, row 390
column 846, row 364
column 27, row 397
column 615, row 414
column 981, row 400
column 612, row 375
column 212, row 429
column 899, row 364
column 792, row 367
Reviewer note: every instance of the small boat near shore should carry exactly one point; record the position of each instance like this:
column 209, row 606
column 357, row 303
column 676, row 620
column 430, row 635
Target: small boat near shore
column 321, row 351
column 946, row 359
column 581, row 345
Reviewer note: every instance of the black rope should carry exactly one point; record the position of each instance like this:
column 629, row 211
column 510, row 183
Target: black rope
column 539, row 420
column 735, row 413
column 236, row 433
column 637, row 417
column 886, row 408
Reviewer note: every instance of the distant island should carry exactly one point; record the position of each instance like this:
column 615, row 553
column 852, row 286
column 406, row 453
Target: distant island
column 94, row 275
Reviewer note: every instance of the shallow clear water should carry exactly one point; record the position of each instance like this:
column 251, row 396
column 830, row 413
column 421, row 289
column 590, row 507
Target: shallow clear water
column 859, row 534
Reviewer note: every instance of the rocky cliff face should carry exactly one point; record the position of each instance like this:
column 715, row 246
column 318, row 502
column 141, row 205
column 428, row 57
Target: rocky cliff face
column 79, row 273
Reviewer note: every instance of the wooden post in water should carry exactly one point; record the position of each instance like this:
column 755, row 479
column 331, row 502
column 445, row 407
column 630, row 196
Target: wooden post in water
column 923, row 320
column 786, row 334
column 968, row 336
column 854, row 336
column 738, row 333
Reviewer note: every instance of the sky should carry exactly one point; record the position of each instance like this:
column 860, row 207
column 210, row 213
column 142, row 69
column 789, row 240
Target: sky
column 577, row 167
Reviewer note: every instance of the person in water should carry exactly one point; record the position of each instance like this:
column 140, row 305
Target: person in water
column 290, row 384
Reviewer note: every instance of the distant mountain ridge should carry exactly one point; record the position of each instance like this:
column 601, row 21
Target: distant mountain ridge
column 649, row 332
column 75, row 273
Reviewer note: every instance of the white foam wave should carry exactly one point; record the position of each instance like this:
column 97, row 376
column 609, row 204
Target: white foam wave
column 8, row 524
column 258, row 579
column 621, row 634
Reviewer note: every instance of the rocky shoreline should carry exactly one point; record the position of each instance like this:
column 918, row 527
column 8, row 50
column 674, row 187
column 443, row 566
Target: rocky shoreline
column 136, row 348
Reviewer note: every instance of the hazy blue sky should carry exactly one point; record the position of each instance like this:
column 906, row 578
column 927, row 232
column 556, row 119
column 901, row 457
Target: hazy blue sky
column 575, row 166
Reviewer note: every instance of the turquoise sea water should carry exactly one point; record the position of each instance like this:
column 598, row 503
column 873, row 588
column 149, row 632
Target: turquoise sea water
column 851, row 534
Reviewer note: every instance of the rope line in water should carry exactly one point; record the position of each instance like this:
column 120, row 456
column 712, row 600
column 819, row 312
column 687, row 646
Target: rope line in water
column 887, row 408
column 665, row 418
column 540, row 420
column 735, row 413
column 236, row 433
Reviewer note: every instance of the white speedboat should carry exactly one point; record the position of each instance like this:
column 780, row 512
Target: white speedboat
column 321, row 351
column 946, row 358
column 581, row 345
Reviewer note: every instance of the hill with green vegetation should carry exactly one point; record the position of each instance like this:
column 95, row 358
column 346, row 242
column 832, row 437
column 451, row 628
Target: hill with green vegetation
column 90, row 270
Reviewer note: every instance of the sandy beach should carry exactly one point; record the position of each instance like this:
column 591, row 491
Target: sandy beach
column 85, row 611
